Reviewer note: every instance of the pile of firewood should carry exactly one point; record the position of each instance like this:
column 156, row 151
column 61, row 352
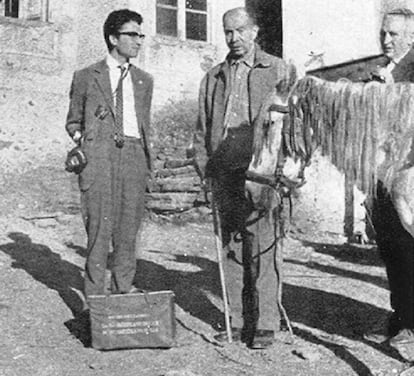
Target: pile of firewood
column 176, row 187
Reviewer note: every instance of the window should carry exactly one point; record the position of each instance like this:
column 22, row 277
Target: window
column 11, row 8
column 167, row 11
column 25, row 9
column 186, row 19
column 196, row 19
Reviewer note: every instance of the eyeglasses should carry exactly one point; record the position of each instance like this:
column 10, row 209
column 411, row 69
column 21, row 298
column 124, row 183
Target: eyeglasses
column 132, row 34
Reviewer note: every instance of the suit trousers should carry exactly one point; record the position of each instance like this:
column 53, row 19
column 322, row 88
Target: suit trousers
column 396, row 247
column 250, row 266
column 112, row 209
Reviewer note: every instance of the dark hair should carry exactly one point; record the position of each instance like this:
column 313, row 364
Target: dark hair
column 115, row 20
column 403, row 12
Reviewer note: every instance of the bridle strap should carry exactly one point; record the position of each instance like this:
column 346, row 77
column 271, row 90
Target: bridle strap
column 283, row 109
column 273, row 181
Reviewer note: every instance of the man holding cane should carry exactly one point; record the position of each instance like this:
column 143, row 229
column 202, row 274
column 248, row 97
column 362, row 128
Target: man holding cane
column 231, row 95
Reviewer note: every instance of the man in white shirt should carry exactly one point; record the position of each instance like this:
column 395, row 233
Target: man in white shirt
column 109, row 115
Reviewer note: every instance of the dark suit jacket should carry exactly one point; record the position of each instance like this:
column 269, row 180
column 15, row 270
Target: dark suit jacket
column 91, row 111
column 404, row 70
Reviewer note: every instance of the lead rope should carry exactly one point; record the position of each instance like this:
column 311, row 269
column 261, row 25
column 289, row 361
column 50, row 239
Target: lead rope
column 278, row 265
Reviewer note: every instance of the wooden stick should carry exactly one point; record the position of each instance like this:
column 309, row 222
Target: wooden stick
column 219, row 247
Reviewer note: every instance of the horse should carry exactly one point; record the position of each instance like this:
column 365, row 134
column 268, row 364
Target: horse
column 275, row 169
column 365, row 129
column 273, row 172
column 367, row 132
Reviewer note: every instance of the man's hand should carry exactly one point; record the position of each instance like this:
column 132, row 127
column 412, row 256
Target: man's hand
column 151, row 181
column 77, row 137
column 207, row 184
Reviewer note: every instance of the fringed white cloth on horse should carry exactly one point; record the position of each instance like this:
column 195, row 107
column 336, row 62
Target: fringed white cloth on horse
column 367, row 131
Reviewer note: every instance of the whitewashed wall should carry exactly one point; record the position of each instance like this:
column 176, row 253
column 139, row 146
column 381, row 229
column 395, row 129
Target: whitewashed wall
column 341, row 30
column 179, row 65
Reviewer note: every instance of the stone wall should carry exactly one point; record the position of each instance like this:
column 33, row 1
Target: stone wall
column 37, row 62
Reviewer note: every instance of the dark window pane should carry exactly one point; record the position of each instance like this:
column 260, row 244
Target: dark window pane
column 196, row 26
column 172, row 3
column 196, row 4
column 167, row 22
column 11, row 8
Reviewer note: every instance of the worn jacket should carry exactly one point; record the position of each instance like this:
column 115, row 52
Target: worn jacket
column 91, row 111
column 265, row 74
column 404, row 70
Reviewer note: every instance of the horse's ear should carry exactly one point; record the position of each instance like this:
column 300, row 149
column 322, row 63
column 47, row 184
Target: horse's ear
column 292, row 74
column 284, row 86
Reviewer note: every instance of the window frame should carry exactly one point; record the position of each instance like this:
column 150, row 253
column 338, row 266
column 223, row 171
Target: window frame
column 42, row 14
column 182, row 10
column 167, row 7
column 196, row 11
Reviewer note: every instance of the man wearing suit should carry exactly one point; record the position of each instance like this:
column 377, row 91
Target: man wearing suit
column 231, row 95
column 109, row 115
column 396, row 41
column 396, row 245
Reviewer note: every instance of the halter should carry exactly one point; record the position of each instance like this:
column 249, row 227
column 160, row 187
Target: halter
column 278, row 181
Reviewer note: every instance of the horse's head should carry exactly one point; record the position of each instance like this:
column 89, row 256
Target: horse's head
column 273, row 164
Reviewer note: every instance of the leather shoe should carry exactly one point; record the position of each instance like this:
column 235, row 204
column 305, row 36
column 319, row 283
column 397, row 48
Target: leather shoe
column 404, row 337
column 403, row 342
column 379, row 336
column 382, row 334
column 259, row 343
column 222, row 336
column 261, row 339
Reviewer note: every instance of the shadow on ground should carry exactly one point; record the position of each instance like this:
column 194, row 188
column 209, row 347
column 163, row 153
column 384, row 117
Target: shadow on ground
column 344, row 273
column 329, row 312
column 336, row 315
column 367, row 255
column 189, row 287
column 47, row 267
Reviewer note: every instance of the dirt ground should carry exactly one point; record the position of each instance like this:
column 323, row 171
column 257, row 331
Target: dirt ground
column 333, row 292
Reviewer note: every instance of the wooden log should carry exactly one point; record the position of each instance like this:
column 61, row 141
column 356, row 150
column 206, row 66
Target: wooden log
column 175, row 163
column 167, row 172
column 184, row 184
column 170, row 202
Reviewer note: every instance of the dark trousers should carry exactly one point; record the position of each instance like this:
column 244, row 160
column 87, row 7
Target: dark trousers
column 396, row 247
column 250, row 266
column 112, row 209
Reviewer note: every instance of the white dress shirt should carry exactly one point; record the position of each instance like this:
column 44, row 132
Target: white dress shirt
column 130, row 121
column 386, row 71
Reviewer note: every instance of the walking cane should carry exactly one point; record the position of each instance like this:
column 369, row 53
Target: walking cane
column 219, row 247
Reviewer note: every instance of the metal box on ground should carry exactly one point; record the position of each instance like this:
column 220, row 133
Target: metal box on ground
column 138, row 320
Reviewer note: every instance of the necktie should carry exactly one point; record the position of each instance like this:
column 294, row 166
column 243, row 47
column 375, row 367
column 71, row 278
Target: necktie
column 119, row 109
